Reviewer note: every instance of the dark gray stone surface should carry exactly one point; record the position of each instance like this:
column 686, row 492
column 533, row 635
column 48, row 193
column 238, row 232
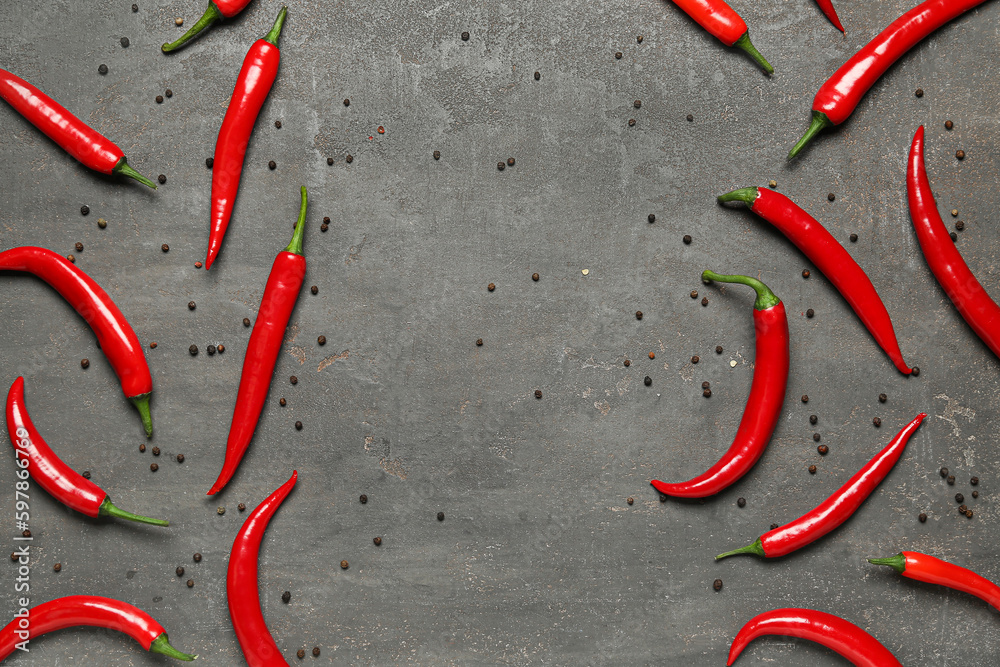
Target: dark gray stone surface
column 539, row 561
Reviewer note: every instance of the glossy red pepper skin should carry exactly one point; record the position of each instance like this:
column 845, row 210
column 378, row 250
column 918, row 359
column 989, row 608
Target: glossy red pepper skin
column 953, row 274
column 931, row 570
column 217, row 11
column 831, row 258
column 724, row 24
column 837, row 99
column 763, row 408
column 260, row 67
column 836, row 509
column 280, row 293
column 87, row 145
column 833, row 632
column 92, row 611
column 831, row 13
column 117, row 339
column 255, row 640
column 52, row 474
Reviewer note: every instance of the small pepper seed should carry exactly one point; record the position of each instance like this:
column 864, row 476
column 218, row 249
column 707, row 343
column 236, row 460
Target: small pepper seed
column 948, row 124
column 975, row 494
column 154, row 467
column 71, row 258
column 135, row 8
column 704, row 300
column 854, row 238
column 25, row 533
column 343, row 566
column 293, row 380
column 706, row 384
column 211, row 350
column 220, row 510
column 84, row 363
column 178, row 21
column 286, row 597
column 823, row 450
column 314, row 289
column 968, row 514
column 627, row 362
column 193, row 350
column 920, row 92
column 944, row 472
column 812, row 470
column 316, row 648
column 363, row 499
column 162, row 179
column 465, row 36
column 220, row 348
column 805, row 273
column 535, row 277
column 301, row 653
column 652, row 355
column 954, row 212
column 321, row 340
column 192, row 305
column 690, row 118
column 102, row 69
column 538, row 75
column 272, row 165
column 440, row 516
column 741, row 502
column 959, row 498
column 695, row 359
column 882, row 398
column 954, row 236
column 638, row 314
column 479, row 342
column 209, row 162
column 631, row 122
column 831, row 196
column 102, row 223
column 663, row 498
column 951, row 480
column 960, row 154
column 298, row 426
column 242, row 507
column 179, row 571
column 718, row 349
column 805, row 398
column 501, row 166
column 923, row 517
column 197, row 557
column 156, row 451
column 282, row 402
column 707, row 393
column 974, row 481
column 437, row 155
column 717, row 584
column 190, row 583
column 86, row 474
column 915, row 371
column 694, row 294
column 277, row 124
column 647, row 380
column 349, row 159
column 813, row 419
column 329, row 160
column 491, row 287
column 959, row 225
column 774, row 526
column 810, row 313
column 142, row 448
column 165, row 248
column 772, row 184
column 962, row 509
column 511, row 162
column 159, row 99
column 637, row 104
column 56, row 567
column 538, row 393
column 630, row 500
column 246, row 321
column 84, row 210
column 180, row 458
column 168, row 92
column 876, row 421
column 377, row 541
column 78, row 246
column 687, row 239
column 816, row 437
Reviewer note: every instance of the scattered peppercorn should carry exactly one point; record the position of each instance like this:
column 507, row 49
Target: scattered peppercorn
column 954, row 212
column 165, row 248
column 377, row 541
column 717, row 584
column 102, row 223
column 209, row 162
column 56, row 567
column 647, row 380
column 220, row 348
column 162, row 179
column 831, row 196
column 687, row 239
column 159, row 99
column 156, row 451
column 363, row 498
column 805, row 398
column 277, row 124
column 343, row 566
column 479, row 342
column 86, row 474
column 915, row 371
column 627, row 362
column 690, row 118
column 638, row 314
column 491, row 287
column 242, row 507
column 637, row 104
column 192, row 305
column 440, row 516
column 810, row 313
column 84, row 363
column 314, row 289
column 631, row 122
column 948, row 124
column 538, row 75
column 286, row 597
column 960, row 154
column 437, row 155
column 812, row 470
column 538, row 393
column 876, row 421
column 180, row 458
column 535, row 277
column 190, row 583
column 695, row 359
column 954, row 236
column 813, row 419
column 220, row 511
column 135, row 8
column 321, row 340
column 142, row 448
column 962, row 509
column 301, row 653
column 652, row 355
column 193, row 350
column 102, row 69
column 974, row 481
column 179, row 571
column 316, row 648
column 816, row 437
column 154, row 467
column 959, row 225
column 293, row 380
column 465, row 36
column 71, row 258
column 298, row 426
column 84, row 210
column 124, row 42
column 694, row 294
column 718, row 349
column 704, row 300
column 975, row 494
column 773, row 526
column 329, row 160
column 882, row 398
column 272, row 165
column 959, row 498
column 823, row 450
column 246, row 321
column 854, row 238
column 923, row 517
column 707, row 393
column 282, row 402
column 349, row 159
column 805, row 273
column 944, row 472
column 951, row 480
column 968, row 514
column 211, row 350
column 706, row 384
column 511, row 162
column 197, row 557
column 920, row 92
column 501, row 166
column 168, row 92
column 25, row 533
column 741, row 502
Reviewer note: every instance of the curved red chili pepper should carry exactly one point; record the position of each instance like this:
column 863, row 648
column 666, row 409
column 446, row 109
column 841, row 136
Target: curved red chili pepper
column 830, row 13
column 724, row 24
column 915, row 565
column 836, row 509
column 83, row 142
column 51, row 473
column 767, row 393
column 217, row 11
column 280, row 293
column 839, row 96
column 114, row 334
column 833, row 632
column 831, row 258
column 92, row 611
column 260, row 67
column 258, row 646
column 970, row 298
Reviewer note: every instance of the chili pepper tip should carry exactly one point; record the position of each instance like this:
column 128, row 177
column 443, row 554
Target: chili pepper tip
column 744, row 43
column 141, row 403
column 162, row 646
column 295, row 247
column 820, row 121
column 108, row 509
column 757, row 549
column 211, row 15
column 746, row 195
column 123, row 169
column 897, row 562
column 279, row 22
column 765, row 297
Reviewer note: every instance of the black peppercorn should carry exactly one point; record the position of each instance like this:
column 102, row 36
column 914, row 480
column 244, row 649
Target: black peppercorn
column 637, row 103
column 349, row 159
column 437, row 155
column 630, row 500
column 272, row 165
column 314, row 289
column 813, row 419
column 193, row 350
column 159, row 99
column 974, row 481
column 774, row 526
column 84, row 363
column 975, row 494
column 242, row 507
column 440, row 516
column 618, row 55
column 960, row 154
column 329, row 160
column 465, row 36
column 135, row 8
column 923, row 517
column 805, row 398
column 491, row 287
column 192, row 305
column 55, row 568
column 805, row 273
column 282, row 402
column 718, row 349
column 168, row 92
column 690, row 118
column 197, row 558
column 156, row 451
column 810, row 313
column 246, row 321
column 102, row 69
column 84, row 210
column 179, row 571
column 695, row 359
column 538, row 393
column 86, row 474
column 831, row 196
column 301, row 653
column 162, row 179
column 882, row 398
column 165, row 248
column 124, row 42
column 511, row 162
column 953, row 235
column 707, row 393
column 501, row 166
column 706, row 384
column 687, row 239
column 321, row 340
column 920, row 92
column 142, row 448
column 959, row 225
column 812, row 470
column 704, row 300
column 959, row 498
column 154, row 467
column 377, row 541
column 823, row 450
column 293, row 380
column 298, row 426
column 535, row 277
column 316, row 648
column 876, row 421
column 479, row 342
column 951, row 480
column 363, row 499
column 815, row 437
column 854, row 238
column 190, row 583
column 694, row 294
column 944, row 472
column 915, row 371
column 717, row 584
column 741, row 502
column 631, row 122
column 211, row 350
column 647, row 380
column 180, row 458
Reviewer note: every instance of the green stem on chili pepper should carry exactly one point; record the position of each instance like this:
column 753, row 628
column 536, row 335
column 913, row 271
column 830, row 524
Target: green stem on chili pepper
column 744, row 43
column 108, row 508
column 820, row 121
column 897, row 562
column 757, row 549
column 765, row 297
column 272, row 37
column 746, row 195
column 211, row 15
column 295, row 246
column 123, row 169
column 162, row 646
column 141, row 403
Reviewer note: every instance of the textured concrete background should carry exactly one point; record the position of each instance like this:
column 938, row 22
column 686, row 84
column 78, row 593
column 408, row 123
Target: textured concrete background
column 539, row 561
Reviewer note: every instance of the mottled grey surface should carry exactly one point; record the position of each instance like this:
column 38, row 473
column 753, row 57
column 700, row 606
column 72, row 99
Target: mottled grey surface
column 539, row 561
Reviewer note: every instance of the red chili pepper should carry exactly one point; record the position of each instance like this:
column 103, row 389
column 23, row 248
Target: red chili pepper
column 840, row 95
column 87, row 610
column 114, row 334
column 62, row 482
column 258, row 646
column 724, row 24
column 830, row 13
column 829, row 257
column 836, row 509
column 217, row 11
column 283, row 285
column 833, row 632
column 74, row 136
column 915, row 565
column 260, row 67
column 767, row 393
column 972, row 301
